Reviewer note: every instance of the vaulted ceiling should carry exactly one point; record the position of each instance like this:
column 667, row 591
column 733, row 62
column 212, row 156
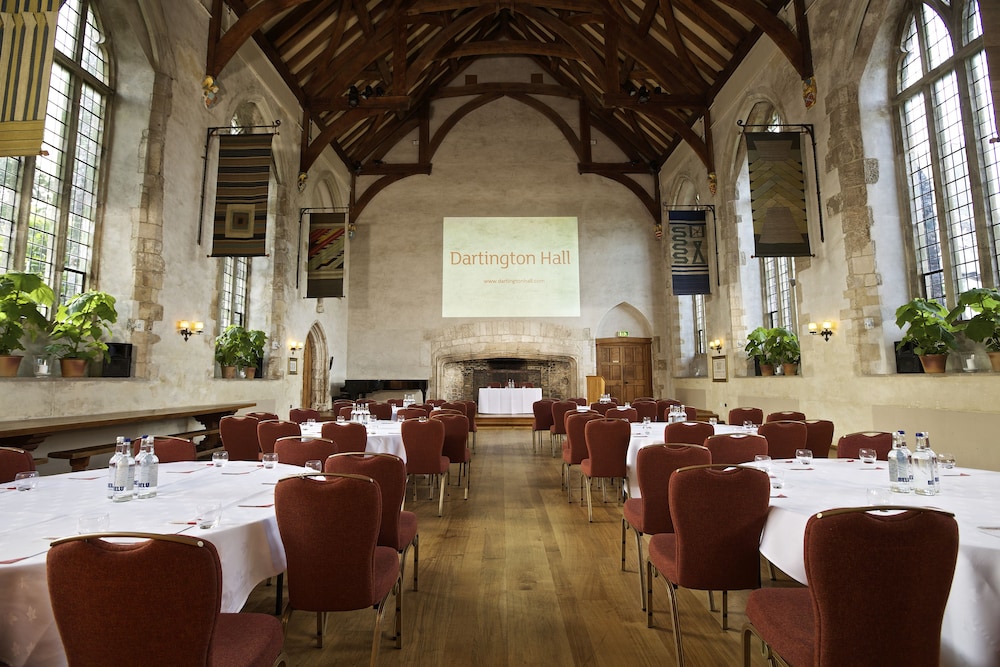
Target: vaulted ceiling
column 643, row 73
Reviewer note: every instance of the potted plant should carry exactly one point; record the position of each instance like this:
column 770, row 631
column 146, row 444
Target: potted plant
column 758, row 348
column 253, row 351
column 929, row 329
column 78, row 328
column 229, row 349
column 20, row 296
column 984, row 326
column 783, row 346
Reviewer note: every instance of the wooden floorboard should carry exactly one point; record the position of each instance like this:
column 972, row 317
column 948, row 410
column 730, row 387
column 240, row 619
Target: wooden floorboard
column 517, row 576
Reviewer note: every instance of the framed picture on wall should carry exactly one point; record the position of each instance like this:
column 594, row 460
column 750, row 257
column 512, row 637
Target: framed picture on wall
column 719, row 369
column 293, row 366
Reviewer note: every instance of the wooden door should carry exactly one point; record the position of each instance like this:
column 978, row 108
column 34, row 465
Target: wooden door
column 309, row 400
column 626, row 367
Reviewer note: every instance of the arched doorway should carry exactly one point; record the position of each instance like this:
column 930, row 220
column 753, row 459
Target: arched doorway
column 315, row 384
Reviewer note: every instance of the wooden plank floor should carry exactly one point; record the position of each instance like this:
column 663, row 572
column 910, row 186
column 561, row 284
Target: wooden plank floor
column 516, row 575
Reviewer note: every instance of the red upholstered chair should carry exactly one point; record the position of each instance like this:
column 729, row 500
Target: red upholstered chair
column 819, row 437
column 178, row 614
column 650, row 513
column 786, row 415
column 607, row 444
column 718, row 513
column 471, row 410
column 330, row 528
column 343, row 402
column 628, row 414
column 423, row 442
column 295, row 450
column 542, row 411
column 345, row 411
column 691, row 412
column 735, row 448
column 270, row 430
column 689, row 432
column 602, row 408
column 831, row 623
column 299, row 415
column 453, row 405
column 424, row 406
column 435, row 401
column 527, row 385
column 574, row 446
column 262, row 415
column 578, row 400
column 410, row 413
column 399, row 527
column 739, row 415
column 646, row 409
column 448, row 411
column 169, row 449
column 348, row 436
column 849, row 445
column 495, row 385
column 13, row 461
column 783, row 438
column 643, row 398
column 662, row 406
column 394, row 401
column 456, row 445
column 239, row 437
column 382, row 411
column 558, row 429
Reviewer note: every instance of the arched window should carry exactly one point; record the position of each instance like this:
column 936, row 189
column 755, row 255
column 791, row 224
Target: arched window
column 49, row 203
column 945, row 123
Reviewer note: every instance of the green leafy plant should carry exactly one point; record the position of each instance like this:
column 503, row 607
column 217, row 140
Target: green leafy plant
column 256, row 340
column 20, row 296
column 80, row 324
column 928, row 327
column 984, row 326
column 757, row 348
column 773, row 346
column 238, row 346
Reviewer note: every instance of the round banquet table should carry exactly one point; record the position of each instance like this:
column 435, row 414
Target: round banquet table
column 383, row 437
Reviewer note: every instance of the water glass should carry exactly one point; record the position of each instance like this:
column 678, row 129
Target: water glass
column 209, row 513
column 269, row 460
column 315, row 464
column 763, row 462
column 777, row 479
column 946, row 461
column 341, row 419
column 220, row 459
column 804, row 456
column 867, row 456
column 713, row 420
column 748, row 425
column 26, row 481
column 877, row 497
column 93, row 523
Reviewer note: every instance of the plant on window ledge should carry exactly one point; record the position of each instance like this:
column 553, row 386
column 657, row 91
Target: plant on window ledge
column 929, row 328
column 20, row 296
column 984, row 326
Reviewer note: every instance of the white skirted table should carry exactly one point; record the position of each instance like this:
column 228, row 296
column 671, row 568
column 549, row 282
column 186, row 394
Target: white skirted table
column 508, row 400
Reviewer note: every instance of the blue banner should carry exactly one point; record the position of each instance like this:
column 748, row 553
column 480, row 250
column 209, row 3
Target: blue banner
column 688, row 252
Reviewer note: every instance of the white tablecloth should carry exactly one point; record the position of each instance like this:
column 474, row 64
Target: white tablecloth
column 507, row 401
column 383, row 437
column 247, row 538
column 970, row 634
column 656, row 436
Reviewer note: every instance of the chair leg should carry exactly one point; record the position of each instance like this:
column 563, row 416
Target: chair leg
column 399, row 611
column 725, row 610
column 468, row 478
column 590, row 508
column 642, row 575
column 376, row 635
column 649, row 592
column 279, row 586
column 441, row 496
column 625, row 530
column 416, row 558
column 672, row 591
column 320, row 625
column 711, row 602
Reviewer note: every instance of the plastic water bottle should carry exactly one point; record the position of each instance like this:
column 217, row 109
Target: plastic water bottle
column 119, row 452
column 124, row 483
column 147, row 469
column 900, row 472
column 925, row 467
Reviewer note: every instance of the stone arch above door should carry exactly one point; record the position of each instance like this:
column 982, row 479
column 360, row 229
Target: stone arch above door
column 624, row 317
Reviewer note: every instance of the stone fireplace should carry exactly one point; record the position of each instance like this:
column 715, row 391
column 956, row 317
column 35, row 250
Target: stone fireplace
column 553, row 376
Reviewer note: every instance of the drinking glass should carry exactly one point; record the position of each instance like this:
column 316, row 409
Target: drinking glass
column 220, row 459
column 946, row 461
column 804, row 456
column 867, row 456
column 269, row 460
column 777, row 479
column 762, row 461
column 93, row 523
column 878, row 497
column 315, row 464
column 26, row 481
column 713, row 420
column 209, row 513
column 747, row 425
column 341, row 419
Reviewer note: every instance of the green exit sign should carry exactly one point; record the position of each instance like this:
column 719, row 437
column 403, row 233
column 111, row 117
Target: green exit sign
column 623, row 334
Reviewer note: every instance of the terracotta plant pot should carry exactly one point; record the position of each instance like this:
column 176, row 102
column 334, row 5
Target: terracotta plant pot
column 73, row 368
column 767, row 369
column 933, row 363
column 995, row 361
column 229, row 372
column 250, row 372
column 790, row 369
column 9, row 363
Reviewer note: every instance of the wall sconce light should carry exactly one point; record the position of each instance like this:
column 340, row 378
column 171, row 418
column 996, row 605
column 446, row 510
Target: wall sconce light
column 351, row 229
column 826, row 331
column 295, row 346
column 188, row 329
column 716, row 345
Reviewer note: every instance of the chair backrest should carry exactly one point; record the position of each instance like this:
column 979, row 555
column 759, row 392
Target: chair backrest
column 542, row 411
column 575, row 445
column 299, row 415
column 739, row 415
column 607, row 446
column 272, row 429
column 330, row 528
column 448, row 411
column 643, row 398
column 342, row 402
column 691, row 413
column 718, row 513
column 389, row 472
column 653, row 466
column 295, row 450
column 923, row 546
column 345, row 411
column 602, row 407
column 579, row 400
column 450, row 405
column 13, row 461
column 495, row 385
column 880, row 441
column 239, row 437
column 628, row 414
column 169, row 449
column 735, row 448
column 262, row 415
column 819, row 437
column 662, row 405
column 783, row 438
column 786, row 415
column 689, row 432
column 176, row 614
column 559, row 410
column 435, row 401
column 527, row 385
column 645, row 409
column 471, row 409
column 410, row 413
column 348, row 436
column 423, row 442
column 380, row 410
column 424, row 406
column 394, row 401
column 456, row 436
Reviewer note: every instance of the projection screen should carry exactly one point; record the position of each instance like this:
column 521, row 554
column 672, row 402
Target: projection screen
column 510, row 267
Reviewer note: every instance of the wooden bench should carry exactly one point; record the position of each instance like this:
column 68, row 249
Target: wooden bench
column 79, row 457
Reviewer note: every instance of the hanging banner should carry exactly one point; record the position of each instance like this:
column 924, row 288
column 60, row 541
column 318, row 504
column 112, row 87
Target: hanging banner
column 240, row 224
column 777, row 194
column 688, row 252
column 27, row 40
column 325, row 264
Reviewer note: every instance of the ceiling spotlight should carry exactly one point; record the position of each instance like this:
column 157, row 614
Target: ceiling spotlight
column 368, row 92
column 643, row 95
column 353, row 100
column 629, row 88
column 379, row 91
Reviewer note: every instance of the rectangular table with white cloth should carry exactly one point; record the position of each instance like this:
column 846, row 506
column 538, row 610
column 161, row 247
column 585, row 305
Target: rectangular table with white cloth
column 653, row 433
column 970, row 635
column 383, row 437
column 246, row 538
column 508, row 400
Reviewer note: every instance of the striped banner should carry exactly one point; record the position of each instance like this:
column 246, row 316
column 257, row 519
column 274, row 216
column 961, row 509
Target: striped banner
column 27, row 40
column 325, row 272
column 777, row 194
column 688, row 252
column 240, row 225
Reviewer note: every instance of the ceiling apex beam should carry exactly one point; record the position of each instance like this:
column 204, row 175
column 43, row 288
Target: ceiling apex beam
column 794, row 47
column 222, row 48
